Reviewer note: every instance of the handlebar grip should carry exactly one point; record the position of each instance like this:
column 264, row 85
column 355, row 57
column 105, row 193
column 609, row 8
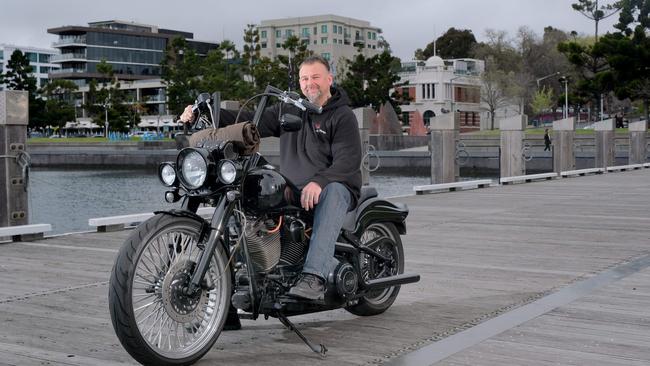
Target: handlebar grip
column 311, row 106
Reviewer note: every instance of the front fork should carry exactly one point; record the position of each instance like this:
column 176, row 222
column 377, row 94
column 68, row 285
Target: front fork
column 222, row 211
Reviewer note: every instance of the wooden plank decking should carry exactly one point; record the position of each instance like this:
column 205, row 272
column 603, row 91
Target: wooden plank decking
column 481, row 253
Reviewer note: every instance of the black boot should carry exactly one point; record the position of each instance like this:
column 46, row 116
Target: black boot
column 310, row 287
column 232, row 322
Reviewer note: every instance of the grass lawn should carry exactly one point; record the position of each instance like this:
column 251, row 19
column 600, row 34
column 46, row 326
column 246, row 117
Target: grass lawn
column 76, row 140
column 539, row 131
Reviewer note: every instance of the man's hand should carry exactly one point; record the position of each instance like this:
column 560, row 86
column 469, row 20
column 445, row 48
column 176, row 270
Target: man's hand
column 187, row 114
column 310, row 195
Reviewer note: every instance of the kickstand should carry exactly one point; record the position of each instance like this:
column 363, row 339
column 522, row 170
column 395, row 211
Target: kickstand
column 287, row 323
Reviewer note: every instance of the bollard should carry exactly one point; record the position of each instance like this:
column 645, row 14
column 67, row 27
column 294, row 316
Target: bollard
column 605, row 147
column 638, row 142
column 364, row 118
column 442, row 147
column 512, row 161
column 13, row 133
column 564, row 131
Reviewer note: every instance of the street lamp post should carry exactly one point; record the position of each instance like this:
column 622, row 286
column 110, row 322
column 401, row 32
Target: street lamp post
column 565, row 80
column 106, row 105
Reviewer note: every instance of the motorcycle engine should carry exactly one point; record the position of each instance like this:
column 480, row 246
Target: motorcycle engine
column 263, row 244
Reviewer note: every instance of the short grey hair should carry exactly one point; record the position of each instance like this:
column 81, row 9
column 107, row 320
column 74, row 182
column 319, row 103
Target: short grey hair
column 316, row 59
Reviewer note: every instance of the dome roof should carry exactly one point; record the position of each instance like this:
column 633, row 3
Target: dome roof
column 435, row 61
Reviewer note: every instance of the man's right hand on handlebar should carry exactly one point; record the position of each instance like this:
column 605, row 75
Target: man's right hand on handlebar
column 187, row 114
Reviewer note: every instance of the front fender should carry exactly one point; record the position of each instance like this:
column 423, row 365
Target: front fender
column 205, row 225
column 380, row 210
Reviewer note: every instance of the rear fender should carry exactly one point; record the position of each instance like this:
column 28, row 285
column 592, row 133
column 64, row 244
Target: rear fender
column 379, row 210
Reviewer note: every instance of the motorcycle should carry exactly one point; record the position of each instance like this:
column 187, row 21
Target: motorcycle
column 178, row 276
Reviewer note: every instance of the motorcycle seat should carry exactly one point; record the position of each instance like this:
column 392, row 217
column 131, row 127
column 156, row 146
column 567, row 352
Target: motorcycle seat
column 351, row 217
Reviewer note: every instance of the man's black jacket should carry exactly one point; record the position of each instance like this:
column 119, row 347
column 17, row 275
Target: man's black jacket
column 327, row 149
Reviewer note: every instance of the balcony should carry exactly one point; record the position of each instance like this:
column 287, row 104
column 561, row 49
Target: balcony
column 70, row 41
column 68, row 57
column 71, row 70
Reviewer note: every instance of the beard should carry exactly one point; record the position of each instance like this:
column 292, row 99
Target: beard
column 313, row 95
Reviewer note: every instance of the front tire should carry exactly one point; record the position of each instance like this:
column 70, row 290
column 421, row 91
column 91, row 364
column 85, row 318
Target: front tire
column 377, row 301
column 154, row 320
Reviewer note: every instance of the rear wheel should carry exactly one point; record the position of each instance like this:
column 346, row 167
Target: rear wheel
column 153, row 317
column 383, row 238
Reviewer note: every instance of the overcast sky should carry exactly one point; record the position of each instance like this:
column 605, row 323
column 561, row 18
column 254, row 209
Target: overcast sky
column 406, row 24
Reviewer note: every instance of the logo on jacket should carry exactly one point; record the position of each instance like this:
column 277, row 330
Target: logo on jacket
column 317, row 128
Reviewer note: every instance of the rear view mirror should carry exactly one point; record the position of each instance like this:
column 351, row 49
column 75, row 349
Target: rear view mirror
column 290, row 122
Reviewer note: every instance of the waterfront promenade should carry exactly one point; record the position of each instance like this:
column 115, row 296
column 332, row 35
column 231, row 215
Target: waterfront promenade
column 550, row 272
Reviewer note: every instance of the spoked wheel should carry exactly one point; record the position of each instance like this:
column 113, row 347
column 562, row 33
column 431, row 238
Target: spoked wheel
column 383, row 238
column 155, row 319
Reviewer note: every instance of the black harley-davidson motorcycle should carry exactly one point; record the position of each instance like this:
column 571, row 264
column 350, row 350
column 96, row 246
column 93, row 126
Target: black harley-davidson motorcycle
column 178, row 276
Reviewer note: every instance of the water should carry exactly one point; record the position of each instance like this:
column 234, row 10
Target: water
column 68, row 198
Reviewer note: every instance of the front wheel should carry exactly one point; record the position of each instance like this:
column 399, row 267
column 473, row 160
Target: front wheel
column 153, row 317
column 377, row 301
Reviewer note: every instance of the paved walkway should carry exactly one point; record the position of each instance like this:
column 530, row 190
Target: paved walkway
column 482, row 254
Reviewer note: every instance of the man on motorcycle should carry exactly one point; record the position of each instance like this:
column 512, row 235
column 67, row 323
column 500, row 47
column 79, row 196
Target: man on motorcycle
column 322, row 159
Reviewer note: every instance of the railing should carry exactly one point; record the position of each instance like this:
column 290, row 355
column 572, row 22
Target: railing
column 68, row 56
column 70, row 40
column 67, row 71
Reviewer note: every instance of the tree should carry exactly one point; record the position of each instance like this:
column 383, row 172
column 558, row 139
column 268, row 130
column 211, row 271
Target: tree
column 59, row 106
column 251, row 54
column 590, row 9
column 498, row 88
column 455, row 43
column 628, row 54
column 106, row 101
column 542, row 100
column 181, row 74
column 298, row 52
column 19, row 77
column 369, row 80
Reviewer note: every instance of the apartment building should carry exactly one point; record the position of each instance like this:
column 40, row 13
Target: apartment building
column 39, row 58
column 134, row 50
column 331, row 36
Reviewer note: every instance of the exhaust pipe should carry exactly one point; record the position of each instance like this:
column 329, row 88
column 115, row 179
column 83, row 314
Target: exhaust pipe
column 389, row 281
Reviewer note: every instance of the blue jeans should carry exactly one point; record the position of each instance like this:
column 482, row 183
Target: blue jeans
column 329, row 214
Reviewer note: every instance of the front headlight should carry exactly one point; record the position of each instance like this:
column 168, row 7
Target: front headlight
column 193, row 168
column 167, row 174
column 227, row 172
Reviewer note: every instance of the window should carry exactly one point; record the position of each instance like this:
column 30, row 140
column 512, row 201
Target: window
column 335, row 29
column 326, row 55
column 263, row 44
column 323, row 28
column 44, row 69
column 340, row 30
column 427, row 117
column 1, row 54
column 369, row 35
column 405, row 118
column 315, row 30
column 289, row 33
column 315, row 41
column 374, row 36
column 263, row 34
column 43, row 58
column 44, row 81
column 278, row 33
column 305, row 32
column 277, row 45
column 33, row 57
column 340, row 41
column 323, row 40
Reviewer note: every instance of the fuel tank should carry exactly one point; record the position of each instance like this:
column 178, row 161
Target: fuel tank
column 264, row 191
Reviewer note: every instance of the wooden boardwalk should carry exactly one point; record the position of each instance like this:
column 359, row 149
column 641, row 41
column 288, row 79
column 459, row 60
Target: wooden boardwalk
column 481, row 253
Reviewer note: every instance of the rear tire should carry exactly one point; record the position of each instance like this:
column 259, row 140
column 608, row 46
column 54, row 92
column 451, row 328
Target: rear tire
column 378, row 301
column 155, row 322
